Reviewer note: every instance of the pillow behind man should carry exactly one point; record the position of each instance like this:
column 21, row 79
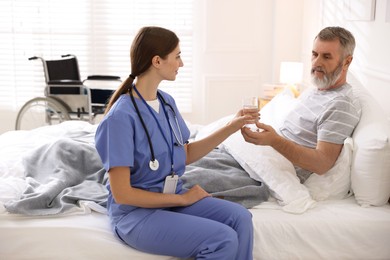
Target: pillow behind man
column 370, row 173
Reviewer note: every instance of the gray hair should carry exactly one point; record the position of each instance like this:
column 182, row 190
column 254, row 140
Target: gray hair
column 344, row 36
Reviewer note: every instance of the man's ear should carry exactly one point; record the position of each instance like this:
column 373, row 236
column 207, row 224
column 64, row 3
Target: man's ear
column 348, row 61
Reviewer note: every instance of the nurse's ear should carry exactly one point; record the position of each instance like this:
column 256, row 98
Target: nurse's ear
column 156, row 61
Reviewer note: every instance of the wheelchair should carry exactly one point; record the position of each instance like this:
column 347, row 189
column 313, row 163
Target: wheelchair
column 66, row 96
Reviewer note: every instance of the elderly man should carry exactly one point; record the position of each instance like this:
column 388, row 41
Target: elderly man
column 313, row 134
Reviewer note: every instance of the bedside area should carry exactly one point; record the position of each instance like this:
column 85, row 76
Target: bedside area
column 271, row 90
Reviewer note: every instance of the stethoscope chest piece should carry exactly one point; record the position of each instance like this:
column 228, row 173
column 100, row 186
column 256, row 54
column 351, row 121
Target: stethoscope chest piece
column 154, row 165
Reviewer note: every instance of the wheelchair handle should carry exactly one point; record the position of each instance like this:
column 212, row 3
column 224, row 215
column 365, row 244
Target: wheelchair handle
column 103, row 77
column 33, row 58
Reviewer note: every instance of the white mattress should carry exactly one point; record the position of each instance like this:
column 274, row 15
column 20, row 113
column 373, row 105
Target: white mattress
column 331, row 230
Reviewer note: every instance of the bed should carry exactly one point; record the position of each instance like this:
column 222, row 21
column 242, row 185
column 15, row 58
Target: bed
column 345, row 215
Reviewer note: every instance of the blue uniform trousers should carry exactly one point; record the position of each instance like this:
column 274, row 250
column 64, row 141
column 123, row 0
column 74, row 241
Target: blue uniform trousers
column 209, row 229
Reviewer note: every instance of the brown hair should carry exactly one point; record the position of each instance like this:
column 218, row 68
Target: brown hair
column 149, row 42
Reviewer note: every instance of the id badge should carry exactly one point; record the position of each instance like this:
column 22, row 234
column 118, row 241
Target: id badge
column 170, row 184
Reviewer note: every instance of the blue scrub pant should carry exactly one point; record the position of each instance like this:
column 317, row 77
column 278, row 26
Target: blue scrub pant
column 209, row 229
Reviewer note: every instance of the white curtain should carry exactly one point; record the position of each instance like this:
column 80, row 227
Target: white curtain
column 98, row 32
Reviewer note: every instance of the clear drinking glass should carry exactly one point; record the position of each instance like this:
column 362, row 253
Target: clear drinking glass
column 250, row 103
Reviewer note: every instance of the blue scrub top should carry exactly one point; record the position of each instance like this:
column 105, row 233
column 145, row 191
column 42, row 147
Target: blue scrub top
column 121, row 141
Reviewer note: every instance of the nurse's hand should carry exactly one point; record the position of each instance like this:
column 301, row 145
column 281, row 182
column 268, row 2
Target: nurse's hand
column 195, row 194
column 245, row 117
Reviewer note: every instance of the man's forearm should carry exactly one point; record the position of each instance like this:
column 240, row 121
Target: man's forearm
column 314, row 160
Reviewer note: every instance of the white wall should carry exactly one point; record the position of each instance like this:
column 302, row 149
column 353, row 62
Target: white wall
column 243, row 43
column 7, row 119
column 240, row 45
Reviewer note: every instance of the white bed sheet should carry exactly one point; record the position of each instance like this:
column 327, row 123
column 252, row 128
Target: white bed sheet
column 68, row 237
column 332, row 230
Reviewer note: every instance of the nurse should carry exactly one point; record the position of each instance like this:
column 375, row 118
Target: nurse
column 143, row 144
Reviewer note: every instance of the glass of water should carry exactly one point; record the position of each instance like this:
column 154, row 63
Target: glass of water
column 250, row 103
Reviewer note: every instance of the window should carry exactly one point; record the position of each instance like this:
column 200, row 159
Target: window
column 98, row 32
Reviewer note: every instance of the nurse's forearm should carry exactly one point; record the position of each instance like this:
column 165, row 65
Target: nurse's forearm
column 198, row 149
column 147, row 199
column 124, row 193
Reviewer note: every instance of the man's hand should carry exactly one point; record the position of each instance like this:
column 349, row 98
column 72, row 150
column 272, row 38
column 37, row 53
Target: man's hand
column 318, row 160
column 265, row 134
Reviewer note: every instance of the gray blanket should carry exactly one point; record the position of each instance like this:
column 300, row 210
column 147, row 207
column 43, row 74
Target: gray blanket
column 220, row 174
column 58, row 175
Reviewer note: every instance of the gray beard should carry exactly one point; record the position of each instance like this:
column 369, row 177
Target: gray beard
column 329, row 79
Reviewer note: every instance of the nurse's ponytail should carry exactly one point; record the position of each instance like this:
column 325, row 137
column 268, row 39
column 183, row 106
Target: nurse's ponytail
column 123, row 89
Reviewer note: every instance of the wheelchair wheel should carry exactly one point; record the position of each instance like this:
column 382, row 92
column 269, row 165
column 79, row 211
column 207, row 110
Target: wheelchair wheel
column 39, row 112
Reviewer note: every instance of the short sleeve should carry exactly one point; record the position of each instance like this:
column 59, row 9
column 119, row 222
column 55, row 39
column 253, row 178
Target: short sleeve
column 339, row 121
column 114, row 140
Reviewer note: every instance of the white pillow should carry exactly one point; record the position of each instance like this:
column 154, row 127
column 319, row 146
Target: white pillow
column 275, row 111
column 336, row 183
column 370, row 172
column 265, row 164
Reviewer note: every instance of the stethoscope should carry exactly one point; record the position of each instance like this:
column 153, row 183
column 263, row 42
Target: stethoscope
column 154, row 164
